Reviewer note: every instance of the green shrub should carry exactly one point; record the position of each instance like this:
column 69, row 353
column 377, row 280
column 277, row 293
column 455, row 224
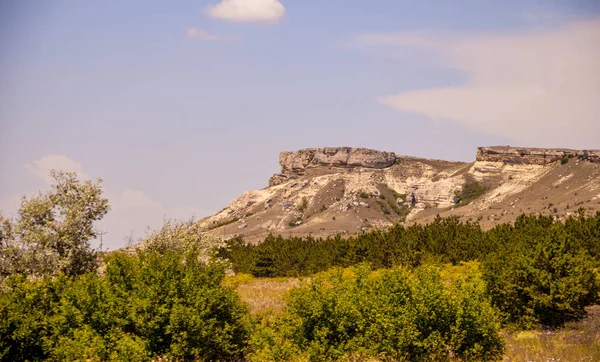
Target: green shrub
column 363, row 194
column 392, row 314
column 564, row 160
column 543, row 277
column 145, row 305
column 472, row 189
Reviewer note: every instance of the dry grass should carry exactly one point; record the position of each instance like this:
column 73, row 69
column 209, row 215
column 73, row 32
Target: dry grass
column 262, row 294
column 575, row 342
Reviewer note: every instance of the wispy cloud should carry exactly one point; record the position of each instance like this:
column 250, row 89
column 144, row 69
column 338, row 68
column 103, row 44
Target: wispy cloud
column 42, row 167
column 536, row 87
column 195, row 33
column 266, row 11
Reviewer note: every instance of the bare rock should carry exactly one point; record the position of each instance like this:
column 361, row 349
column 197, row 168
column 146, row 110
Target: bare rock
column 296, row 162
column 278, row 179
column 533, row 156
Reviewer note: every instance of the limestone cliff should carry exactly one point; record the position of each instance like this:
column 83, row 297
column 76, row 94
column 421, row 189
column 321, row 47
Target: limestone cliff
column 342, row 190
column 533, row 156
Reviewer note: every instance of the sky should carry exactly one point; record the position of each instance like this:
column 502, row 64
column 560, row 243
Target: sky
column 181, row 106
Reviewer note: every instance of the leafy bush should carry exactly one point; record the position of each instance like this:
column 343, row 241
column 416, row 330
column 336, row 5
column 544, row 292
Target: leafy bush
column 544, row 277
column 180, row 237
column 53, row 230
column 145, row 305
column 392, row 314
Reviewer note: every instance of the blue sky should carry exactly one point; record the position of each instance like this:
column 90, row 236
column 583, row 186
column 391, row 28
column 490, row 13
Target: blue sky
column 181, row 106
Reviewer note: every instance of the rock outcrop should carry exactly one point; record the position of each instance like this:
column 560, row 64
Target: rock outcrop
column 342, row 190
column 298, row 161
column 532, row 156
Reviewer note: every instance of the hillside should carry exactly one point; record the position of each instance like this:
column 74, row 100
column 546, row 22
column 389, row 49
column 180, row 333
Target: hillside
column 346, row 190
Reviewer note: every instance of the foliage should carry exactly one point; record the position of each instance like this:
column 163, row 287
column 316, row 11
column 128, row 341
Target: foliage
column 303, row 205
column 53, row 230
column 146, row 305
column 538, row 271
column 180, row 237
column 576, row 341
column 444, row 240
column 472, row 189
column 544, row 277
column 400, row 210
column 363, row 194
column 392, row 314
column 224, row 223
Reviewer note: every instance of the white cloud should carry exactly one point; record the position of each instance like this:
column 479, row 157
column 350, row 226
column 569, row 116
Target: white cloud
column 195, row 33
column 42, row 167
column 539, row 87
column 269, row 11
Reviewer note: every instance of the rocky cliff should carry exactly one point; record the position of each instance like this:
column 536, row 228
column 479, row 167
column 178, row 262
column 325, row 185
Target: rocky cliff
column 294, row 164
column 343, row 190
column 533, row 156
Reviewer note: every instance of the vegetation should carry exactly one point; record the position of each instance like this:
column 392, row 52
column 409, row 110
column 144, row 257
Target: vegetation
column 181, row 237
column 363, row 194
column 440, row 291
column 472, row 189
column 546, row 278
column 538, row 271
column 224, row 223
column 576, row 341
column 145, row 305
column 303, row 205
column 53, row 230
column 394, row 314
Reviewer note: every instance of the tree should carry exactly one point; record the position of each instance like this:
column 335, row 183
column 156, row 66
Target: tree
column 543, row 277
column 53, row 230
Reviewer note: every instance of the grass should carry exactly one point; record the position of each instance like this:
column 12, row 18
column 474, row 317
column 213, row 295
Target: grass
column 262, row 294
column 577, row 341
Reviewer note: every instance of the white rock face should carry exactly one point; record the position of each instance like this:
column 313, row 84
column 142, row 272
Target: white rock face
column 437, row 194
column 516, row 178
column 295, row 162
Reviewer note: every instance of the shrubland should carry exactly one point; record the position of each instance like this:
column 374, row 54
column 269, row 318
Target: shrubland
column 393, row 314
column 441, row 291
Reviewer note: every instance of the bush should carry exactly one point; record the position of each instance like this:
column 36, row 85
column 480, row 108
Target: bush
column 392, row 314
column 53, row 230
column 146, row 305
column 472, row 189
column 544, row 277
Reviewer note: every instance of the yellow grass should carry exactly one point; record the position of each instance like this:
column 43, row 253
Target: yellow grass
column 262, row 294
column 575, row 342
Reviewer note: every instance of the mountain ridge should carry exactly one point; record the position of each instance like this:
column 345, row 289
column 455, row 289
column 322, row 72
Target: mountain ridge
column 345, row 190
